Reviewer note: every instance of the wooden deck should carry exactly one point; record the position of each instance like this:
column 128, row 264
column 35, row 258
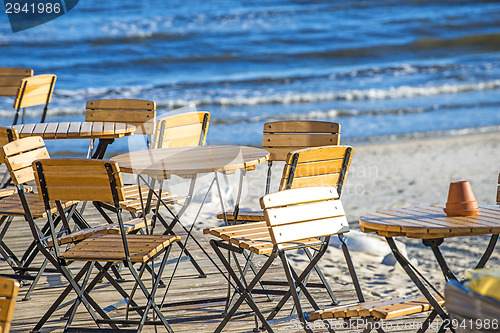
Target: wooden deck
column 186, row 286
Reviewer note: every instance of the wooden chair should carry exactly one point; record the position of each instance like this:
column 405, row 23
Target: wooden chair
column 18, row 157
column 312, row 167
column 10, row 79
column 98, row 180
column 8, row 293
column 33, row 91
column 282, row 137
column 294, row 219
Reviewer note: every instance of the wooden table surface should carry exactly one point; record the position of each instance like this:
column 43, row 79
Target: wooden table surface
column 186, row 161
column 76, row 130
column 428, row 222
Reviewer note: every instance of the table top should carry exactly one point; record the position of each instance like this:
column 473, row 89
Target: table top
column 187, row 161
column 428, row 222
column 76, row 130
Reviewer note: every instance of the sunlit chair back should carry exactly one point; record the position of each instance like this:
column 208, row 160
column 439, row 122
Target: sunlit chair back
column 182, row 130
column 10, row 79
column 137, row 112
column 33, row 91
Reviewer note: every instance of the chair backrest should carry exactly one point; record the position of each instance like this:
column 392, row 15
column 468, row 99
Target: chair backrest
column 7, row 134
column 319, row 166
column 181, row 130
column 312, row 212
column 137, row 112
column 79, row 179
column 19, row 155
column 281, row 137
column 35, row 90
column 10, row 78
column 8, row 293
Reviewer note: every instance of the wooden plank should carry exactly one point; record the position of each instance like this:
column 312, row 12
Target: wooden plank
column 86, row 129
column 97, row 129
column 313, row 181
column 316, row 228
column 62, row 130
column 301, row 126
column 299, row 140
column 16, row 71
column 22, row 176
column 39, row 129
column 108, row 129
column 74, row 129
column 298, row 213
column 121, row 104
column 298, row 196
column 50, row 131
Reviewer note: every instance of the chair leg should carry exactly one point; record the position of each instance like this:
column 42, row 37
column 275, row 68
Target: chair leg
column 299, row 279
column 293, row 288
column 35, row 281
column 352, row 271
column 150, row 295
column 245, row 293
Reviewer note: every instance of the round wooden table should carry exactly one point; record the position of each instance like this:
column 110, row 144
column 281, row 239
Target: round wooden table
column 189, row 161
column 432, row 226
column 106, row 132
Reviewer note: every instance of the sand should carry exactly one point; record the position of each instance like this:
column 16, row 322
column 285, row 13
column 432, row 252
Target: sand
column 389, row 175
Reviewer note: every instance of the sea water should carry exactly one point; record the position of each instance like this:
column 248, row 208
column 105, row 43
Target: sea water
column 382, row 69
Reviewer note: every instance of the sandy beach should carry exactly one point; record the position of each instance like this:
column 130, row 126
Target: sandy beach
column 399, row 174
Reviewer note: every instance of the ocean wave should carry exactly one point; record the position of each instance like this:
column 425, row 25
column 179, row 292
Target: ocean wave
column 423, row 135
column 248, row 97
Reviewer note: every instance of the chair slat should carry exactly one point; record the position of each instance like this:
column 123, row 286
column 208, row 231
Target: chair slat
column 297, row 213
column 300, row 140
column 306, row 195
column 309, row 229
column 24, row 160
column 300, row 126
column 16, row 71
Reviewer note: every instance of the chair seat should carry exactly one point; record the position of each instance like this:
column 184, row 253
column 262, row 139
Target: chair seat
column 132, row 202
column 113, row 228
column 255, row 237
column 109, row 247
column 381, row 309
column 10, row 190
column 11, row 205
column 250, row 216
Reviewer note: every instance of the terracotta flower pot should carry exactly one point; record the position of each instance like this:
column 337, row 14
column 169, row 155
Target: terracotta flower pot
column 461, row 200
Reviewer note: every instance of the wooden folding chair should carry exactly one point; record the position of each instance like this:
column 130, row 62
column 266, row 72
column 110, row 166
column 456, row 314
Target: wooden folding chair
column 294, row 219
column 18, row 157
column 10, row 79
column 100, row 180
column 33, row 91
column 279, row 139
column 8, row 294
column 312, row 167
